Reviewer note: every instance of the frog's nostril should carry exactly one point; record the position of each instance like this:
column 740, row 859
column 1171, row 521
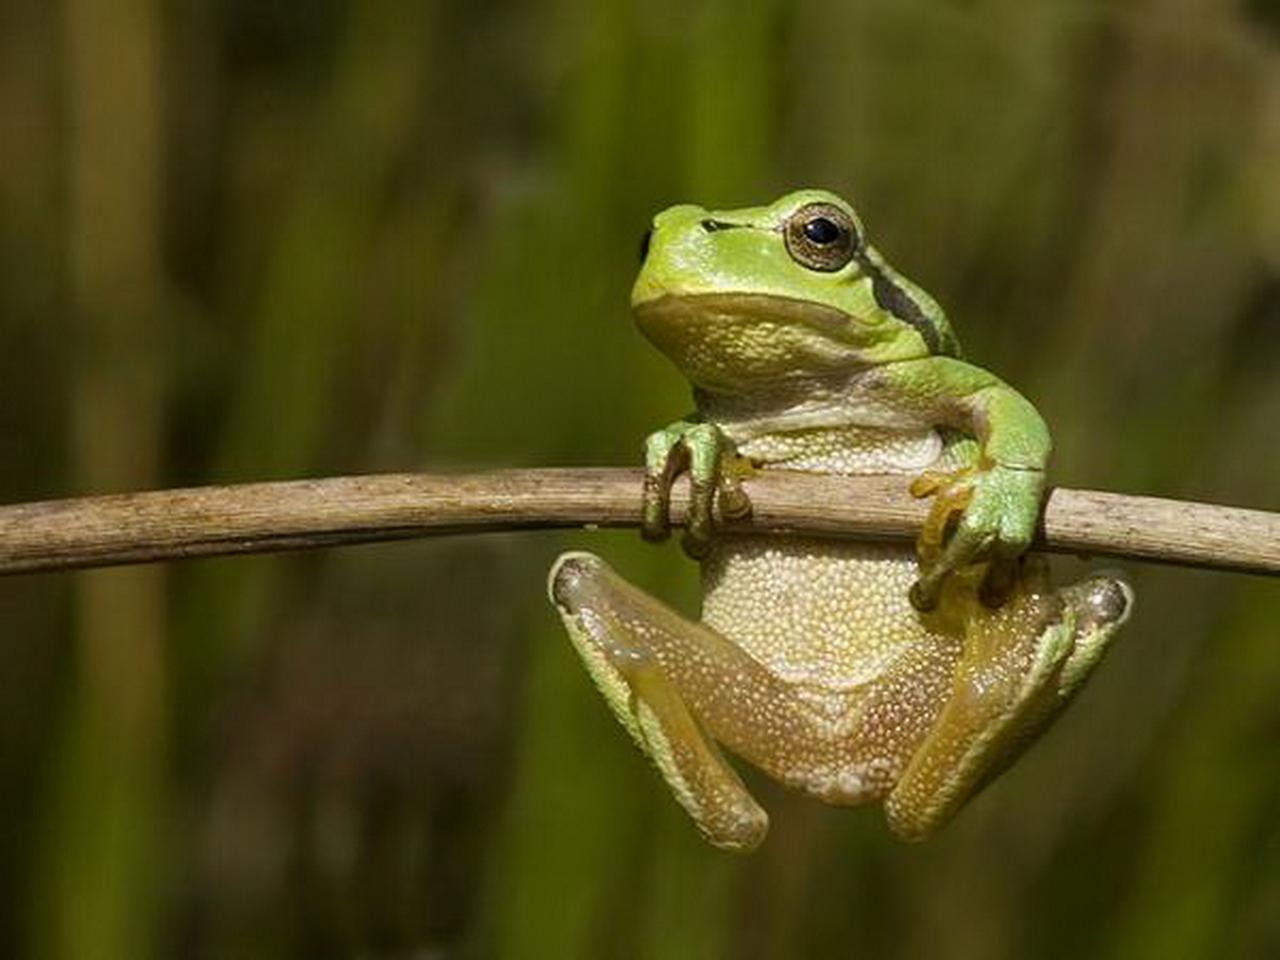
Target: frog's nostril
column 644, row 244
column 711, row 226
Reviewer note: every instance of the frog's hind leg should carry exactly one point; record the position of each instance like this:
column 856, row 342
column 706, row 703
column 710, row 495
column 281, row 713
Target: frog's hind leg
column 659, row 672
column 1021, row 665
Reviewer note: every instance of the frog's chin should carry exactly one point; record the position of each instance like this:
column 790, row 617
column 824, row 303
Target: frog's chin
column 734, row 341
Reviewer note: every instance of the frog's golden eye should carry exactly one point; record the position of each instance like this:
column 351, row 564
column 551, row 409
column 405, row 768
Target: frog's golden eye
column 821, row 236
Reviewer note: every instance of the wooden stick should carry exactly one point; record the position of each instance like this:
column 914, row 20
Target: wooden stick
column 299, row 514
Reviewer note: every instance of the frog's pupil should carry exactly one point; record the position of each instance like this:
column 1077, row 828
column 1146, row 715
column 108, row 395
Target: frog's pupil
column 821, row 231
column 644, row 244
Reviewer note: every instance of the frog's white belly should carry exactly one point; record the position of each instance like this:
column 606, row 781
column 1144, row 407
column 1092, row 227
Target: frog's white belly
column 826, row 615
column 832, row 621
column 848, row 450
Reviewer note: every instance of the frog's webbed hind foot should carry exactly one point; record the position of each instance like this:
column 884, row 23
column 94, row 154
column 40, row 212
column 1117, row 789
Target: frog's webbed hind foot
column 1021, row 665
column 624, row 636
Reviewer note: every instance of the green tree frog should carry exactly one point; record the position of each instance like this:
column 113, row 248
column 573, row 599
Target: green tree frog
column 855, row 672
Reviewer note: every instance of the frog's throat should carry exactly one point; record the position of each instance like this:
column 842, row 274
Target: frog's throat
column 728, row 342
column 685, row 308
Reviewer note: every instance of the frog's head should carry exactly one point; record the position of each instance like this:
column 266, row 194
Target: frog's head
column 737, row 298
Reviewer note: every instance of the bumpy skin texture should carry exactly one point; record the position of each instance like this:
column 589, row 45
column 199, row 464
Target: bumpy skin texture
column 854, row 672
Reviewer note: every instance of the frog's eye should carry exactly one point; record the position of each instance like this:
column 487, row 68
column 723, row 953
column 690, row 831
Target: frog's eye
column 644, row 244
column 821, row 236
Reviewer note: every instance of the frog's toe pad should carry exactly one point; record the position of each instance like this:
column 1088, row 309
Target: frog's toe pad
column 569, row 575
column 1103, row 600
column 1102, row 604
column 577, row 588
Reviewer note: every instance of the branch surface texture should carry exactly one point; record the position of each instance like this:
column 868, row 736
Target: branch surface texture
column 300, row 514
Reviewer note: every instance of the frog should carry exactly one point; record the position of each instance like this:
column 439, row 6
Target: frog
column 905, row 675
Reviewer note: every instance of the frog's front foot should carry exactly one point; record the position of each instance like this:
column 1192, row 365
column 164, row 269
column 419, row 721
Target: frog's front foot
column 703, row 450
column 979, row 515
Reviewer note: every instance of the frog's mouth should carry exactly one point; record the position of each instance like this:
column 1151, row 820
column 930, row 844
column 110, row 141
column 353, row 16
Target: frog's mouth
column 742, row 308
column 730, row 341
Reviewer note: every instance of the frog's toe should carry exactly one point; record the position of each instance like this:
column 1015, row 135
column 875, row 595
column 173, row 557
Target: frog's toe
column 1102, row 604
column 699, row 449
column 700, row 523
column 665, row 458
column 707, row 448
column 570, row 578
column 998, row 582
column 1105, row 599
column 968, row 540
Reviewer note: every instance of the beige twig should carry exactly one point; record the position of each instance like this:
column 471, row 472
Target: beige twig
column 293, row 515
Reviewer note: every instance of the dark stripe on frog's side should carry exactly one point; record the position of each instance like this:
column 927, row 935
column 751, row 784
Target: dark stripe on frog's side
column 891, row 297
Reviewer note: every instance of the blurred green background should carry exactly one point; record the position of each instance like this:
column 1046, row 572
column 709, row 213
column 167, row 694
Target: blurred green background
column 264, row 239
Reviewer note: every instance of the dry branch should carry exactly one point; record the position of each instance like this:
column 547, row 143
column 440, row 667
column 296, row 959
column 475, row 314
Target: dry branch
column 292, row 515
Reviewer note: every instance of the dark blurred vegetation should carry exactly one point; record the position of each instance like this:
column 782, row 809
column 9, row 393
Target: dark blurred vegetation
column 261, row 239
